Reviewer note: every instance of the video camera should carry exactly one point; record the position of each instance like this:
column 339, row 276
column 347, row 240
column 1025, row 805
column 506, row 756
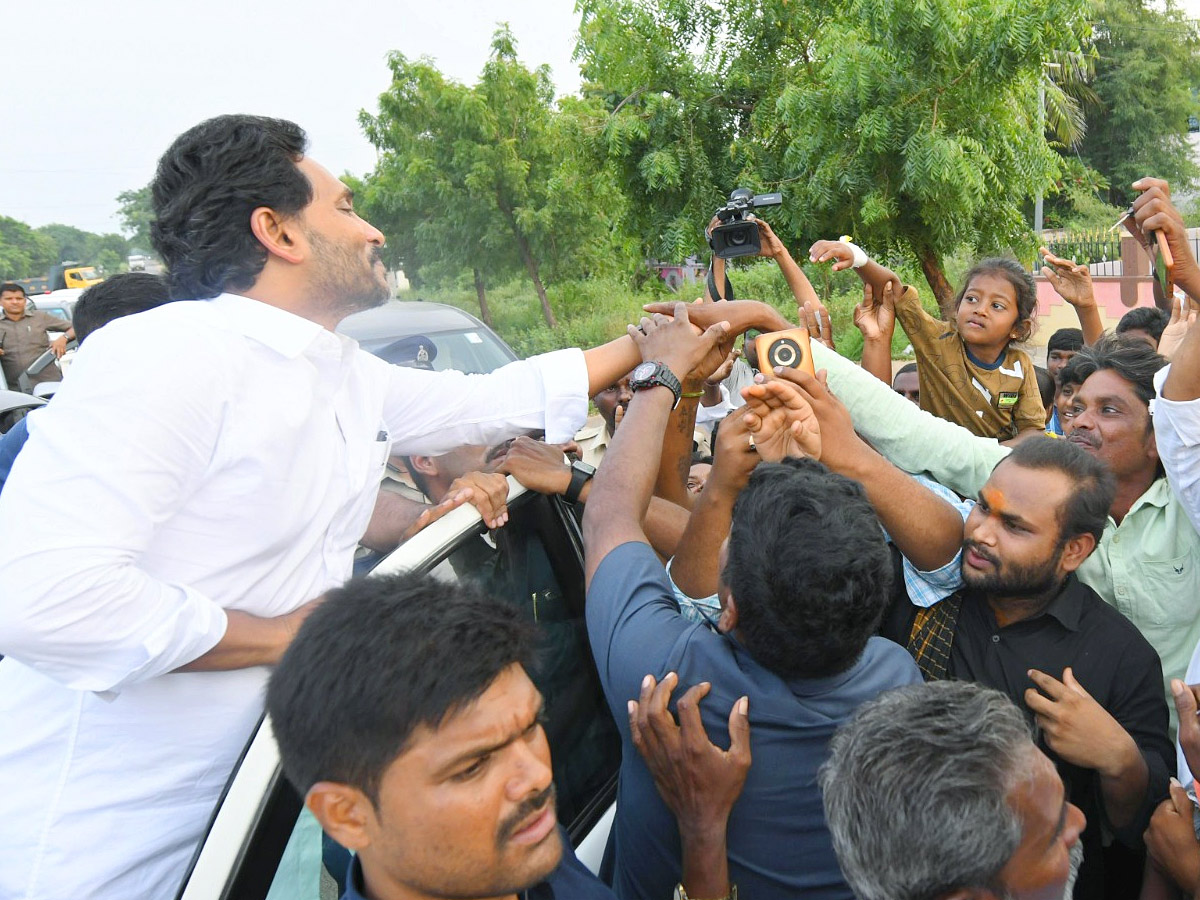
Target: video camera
column 737, row 235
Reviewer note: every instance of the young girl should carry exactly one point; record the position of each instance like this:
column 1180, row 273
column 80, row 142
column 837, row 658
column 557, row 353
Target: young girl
column 970, row 372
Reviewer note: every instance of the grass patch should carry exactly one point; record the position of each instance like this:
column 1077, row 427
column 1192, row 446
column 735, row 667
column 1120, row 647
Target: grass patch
column 596, row 310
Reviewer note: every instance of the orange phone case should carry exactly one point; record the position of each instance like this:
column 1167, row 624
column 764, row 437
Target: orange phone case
column 791, row 349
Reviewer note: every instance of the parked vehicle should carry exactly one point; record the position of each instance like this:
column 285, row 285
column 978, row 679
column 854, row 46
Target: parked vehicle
column 64, row 275
column 261, row 842
column 462, row 341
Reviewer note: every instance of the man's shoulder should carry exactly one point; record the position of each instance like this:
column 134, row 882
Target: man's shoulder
column 886, row 663
column 570, row 879
column 1107, row 622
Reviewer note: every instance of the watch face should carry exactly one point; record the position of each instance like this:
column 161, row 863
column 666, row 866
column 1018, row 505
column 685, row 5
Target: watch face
column 644, row 371
column 586, row 468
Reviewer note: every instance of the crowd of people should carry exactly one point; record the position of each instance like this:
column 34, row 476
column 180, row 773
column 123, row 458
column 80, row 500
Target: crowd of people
column 930, row 634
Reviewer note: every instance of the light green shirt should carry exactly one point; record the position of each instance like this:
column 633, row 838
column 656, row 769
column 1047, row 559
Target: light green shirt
column 1148, row 567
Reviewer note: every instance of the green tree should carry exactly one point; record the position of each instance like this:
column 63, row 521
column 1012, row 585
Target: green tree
column 478, row 177
column 107, row 251
column 1148, row 63
column 24, row 253
column 136, row 215
column 923, row 131
column 913, row 126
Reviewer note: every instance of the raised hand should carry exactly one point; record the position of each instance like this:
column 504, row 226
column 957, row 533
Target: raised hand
column 837, row 252
column 1154, row 211
column 815, row 317
column 1171, row 839
column 740, row 315
column 771, row 246
column 1076, row 727
column 1072, row 281
column 673, row 341
column 1183, row 317
column 1186, row 698
column 698, row 781
column 734, row 456
column 431, row 514
column 781, row 421
column 876, row 319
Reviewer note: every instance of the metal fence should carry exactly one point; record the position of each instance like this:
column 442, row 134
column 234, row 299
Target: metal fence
column 1100, row 249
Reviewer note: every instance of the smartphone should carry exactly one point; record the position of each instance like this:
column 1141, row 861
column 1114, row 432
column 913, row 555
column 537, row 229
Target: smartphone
column 791, row 349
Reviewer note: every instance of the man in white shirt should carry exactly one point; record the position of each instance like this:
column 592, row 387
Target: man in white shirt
column 195, row 488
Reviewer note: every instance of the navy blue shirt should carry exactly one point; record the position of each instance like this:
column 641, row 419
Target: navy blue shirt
column 779, row 844
column 570, row 881
column 11, row 443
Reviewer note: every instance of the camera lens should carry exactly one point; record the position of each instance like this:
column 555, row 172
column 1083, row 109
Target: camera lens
column 784, row 352
column 737, row 238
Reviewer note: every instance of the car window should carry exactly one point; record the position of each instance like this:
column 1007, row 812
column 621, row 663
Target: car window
column 534, row 563
column 473, row 351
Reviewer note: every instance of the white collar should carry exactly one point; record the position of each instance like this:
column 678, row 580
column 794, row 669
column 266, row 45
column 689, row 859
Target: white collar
column 286, row 333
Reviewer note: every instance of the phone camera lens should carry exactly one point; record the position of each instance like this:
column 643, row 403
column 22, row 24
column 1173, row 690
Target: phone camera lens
column 785, row 352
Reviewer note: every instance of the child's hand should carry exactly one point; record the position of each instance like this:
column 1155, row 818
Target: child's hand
column 838, row 251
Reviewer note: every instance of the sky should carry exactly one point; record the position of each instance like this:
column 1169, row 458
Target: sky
column 100, row 89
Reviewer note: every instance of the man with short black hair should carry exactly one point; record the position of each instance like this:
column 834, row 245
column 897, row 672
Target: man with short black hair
column 804, row 579
column 24, row 336
column 1063, row 345
column 434, row 767
column 1144, row 323
column 907, row 383
column 973, row 808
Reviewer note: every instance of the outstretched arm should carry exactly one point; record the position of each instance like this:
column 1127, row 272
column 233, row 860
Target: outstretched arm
column 1074, row 284
column 876, row 319
column 622, row 486
column 799, row 408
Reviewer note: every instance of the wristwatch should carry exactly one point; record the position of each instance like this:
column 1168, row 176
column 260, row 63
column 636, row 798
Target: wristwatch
column 681, row 894
column 581, row 472
column 654, row 374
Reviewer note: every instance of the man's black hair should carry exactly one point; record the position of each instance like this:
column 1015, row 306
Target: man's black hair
column 808, row 568
column 700, row 458
column 207, row 184
column 1149, row 319
column 1132, row 359
column 377, row 660
column 118, row 295
column 1046, row 385
column 1094, row 486
column 1065, row 339
column 904, row 370
column 12, row 286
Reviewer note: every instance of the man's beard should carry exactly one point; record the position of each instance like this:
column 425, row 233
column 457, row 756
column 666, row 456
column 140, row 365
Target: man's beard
column 1009, row 580
column 343, row 282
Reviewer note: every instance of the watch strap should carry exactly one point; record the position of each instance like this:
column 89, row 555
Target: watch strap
column 662, row 376
column 579, row 477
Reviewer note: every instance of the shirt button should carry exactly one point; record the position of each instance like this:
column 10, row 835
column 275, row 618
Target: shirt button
column 995, row 638
column 1116, row 539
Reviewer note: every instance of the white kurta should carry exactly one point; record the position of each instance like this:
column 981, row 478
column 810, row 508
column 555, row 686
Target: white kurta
column 203, row 456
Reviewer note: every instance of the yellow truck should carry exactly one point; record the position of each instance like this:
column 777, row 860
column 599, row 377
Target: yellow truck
column 65, row 275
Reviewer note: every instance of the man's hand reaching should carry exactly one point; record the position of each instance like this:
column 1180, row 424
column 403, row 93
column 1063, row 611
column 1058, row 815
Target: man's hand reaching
column 489, row 495
column 740, row 315
column 672, row 341
column 781, row 421
column 537, row 465
column 59, row 346
column 1071, row 280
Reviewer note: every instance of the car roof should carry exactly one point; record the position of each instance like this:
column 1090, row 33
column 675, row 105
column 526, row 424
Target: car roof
column 404, row 317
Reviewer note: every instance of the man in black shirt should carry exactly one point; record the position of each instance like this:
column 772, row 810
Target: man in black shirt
column 1022, row 622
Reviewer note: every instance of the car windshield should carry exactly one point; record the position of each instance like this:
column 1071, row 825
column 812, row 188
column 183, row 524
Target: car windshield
column 87, row 274
column 470, row 350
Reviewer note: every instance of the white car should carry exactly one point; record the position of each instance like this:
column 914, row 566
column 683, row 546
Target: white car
column 261, row 843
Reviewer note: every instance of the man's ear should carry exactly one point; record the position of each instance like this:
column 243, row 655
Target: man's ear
column 279, row 236
column 424, row 465
column 1076, row 550
column 728, row 620
column 344, row 812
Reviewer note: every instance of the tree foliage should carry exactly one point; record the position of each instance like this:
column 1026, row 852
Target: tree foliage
column 912, row 125
column 136, row 212
column 479, row 177
column 24, row 253
column 1148, row 63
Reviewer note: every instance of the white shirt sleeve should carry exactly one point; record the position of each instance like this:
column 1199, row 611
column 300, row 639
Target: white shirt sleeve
column 435, row 412
column 1177, row 435
column 125, row 441
column 707, row 415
